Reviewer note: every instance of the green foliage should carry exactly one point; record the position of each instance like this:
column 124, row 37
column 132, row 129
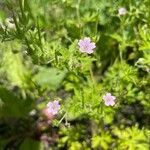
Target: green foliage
column 40, row 61
column 31, row 144
column 49, row 78
column 133, row 138
column 13, row 106
column 104, row 141
column 72, row 136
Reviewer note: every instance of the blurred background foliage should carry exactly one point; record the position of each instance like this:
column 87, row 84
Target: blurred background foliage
column 40, row 61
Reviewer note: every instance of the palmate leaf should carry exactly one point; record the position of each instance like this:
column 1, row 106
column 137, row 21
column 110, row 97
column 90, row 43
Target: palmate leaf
column 13, row 106
column 145, row 39
column 49, row 78
column 133, row 138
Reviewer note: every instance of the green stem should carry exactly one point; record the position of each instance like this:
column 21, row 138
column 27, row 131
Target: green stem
column 92, row 76
column 78, row 13
column 120, row 53
column 78, row 10
column 62, row 118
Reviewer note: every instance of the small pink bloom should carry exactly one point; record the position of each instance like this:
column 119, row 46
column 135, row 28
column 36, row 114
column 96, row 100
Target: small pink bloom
column 48, row 114
column 86, row 46
column 109, row 99
column 53, row 107
column 122, row 11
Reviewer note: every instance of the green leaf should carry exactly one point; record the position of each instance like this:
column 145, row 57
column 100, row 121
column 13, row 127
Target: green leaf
column 30, row 144
column 49, row 77
column 11, row 105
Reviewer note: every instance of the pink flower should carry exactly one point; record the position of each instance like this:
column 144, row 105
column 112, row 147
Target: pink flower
column 86, row 46
column 49, row 116
column 53, row 107
column 109, row 99
column 122, row 11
